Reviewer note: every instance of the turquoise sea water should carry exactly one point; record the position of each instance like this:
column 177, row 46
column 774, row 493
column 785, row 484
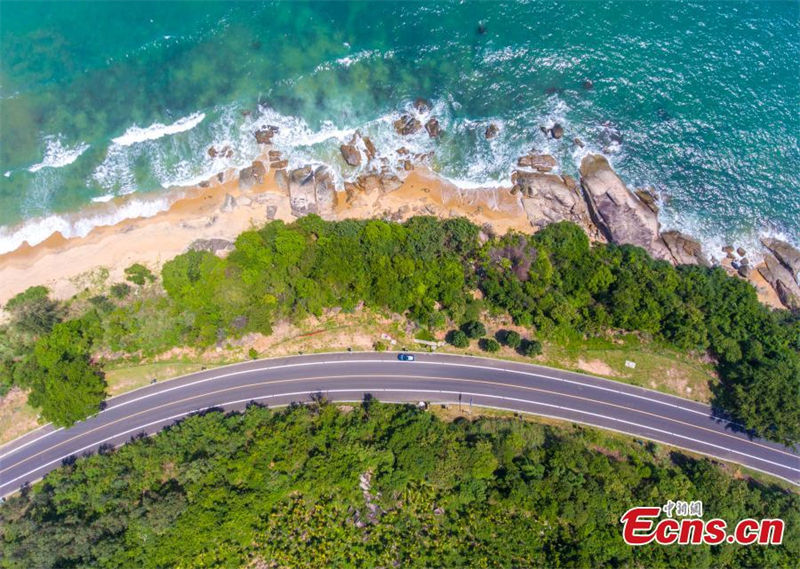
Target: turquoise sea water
column 700, row 100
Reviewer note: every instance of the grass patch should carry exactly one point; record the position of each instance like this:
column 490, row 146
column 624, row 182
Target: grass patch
column 127, row 378
column 16, row 416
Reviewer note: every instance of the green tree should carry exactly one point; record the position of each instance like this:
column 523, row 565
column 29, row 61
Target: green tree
column 457, row 338
column 489, row 345
column 473, row 329
column 531, row 348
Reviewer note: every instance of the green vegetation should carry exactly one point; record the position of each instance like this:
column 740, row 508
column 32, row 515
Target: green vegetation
column 473, row 329
column 283, row 489
column 530, row 348
column 457, row 339
column 552, row 282
column 139, row 274
column 489, row 345
column 510, row 338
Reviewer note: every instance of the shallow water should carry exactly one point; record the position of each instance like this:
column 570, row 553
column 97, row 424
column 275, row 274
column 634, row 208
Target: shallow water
column 698, row 100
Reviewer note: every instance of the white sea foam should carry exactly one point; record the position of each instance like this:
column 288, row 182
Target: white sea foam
column 155, row 131
column 57, row 155
column 103, row 199
column 36, row 230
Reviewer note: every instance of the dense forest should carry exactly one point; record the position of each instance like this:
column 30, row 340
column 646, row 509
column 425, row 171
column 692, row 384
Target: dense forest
column 376, row 485
column 553, row 282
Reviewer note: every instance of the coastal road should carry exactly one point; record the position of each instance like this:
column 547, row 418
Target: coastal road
column 434, row 378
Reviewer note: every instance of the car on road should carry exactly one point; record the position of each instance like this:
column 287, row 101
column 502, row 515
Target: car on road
column 405, row 357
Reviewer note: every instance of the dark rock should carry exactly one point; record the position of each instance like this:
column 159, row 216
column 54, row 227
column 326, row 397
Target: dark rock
column 741, row 252
column 540, row 162
column 744, row 268
column 406, row 125
column 370, row 148
column 311, row 190
column 617, row 212
column 588, row 84
column 422, row 105
column 553, row 90
column 350, row 154
column 271, row 211
column 684, row 249
column 280, row 164
column 433, row 128
column 557, row 131
column 212, row 152
column 491, row 131
column 264, row 135
column 481, row 29
column 204, row 184
column 252, row 175
column 544, row 129
column 578, row 142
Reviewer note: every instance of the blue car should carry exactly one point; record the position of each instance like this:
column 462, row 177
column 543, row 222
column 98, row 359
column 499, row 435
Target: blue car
column 405, row 357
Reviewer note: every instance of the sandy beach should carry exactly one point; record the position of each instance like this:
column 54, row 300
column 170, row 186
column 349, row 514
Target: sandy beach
column 66, row 266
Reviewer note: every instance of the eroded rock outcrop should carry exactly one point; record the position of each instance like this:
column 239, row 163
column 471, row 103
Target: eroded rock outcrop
column 540, row 162
column 786, row 254
column 618, row 213
column 684, row 250
column 311, row 190
column 211, row 245
column 782, row 280
column 252, row 175
column 549, row 198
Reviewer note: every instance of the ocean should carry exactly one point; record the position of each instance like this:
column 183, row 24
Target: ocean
column 699, row 100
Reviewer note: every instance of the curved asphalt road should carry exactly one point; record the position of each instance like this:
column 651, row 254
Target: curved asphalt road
column 435, row 378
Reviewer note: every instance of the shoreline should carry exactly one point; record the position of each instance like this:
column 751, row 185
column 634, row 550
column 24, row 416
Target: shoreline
column 217, row 210
column 65, row 264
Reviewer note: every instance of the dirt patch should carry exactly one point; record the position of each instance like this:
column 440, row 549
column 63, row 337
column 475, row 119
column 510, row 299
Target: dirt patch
column 678, row 382
column 16, row 416
column 596, row 367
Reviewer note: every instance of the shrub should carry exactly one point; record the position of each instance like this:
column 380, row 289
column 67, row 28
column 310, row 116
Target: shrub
column 457, row 339
column 531, row 348
column 253, row 353
column 473, row 329
column 139, row 274
column 380, row 346
column 489, row 345
column 511, row 338
column 120, row 290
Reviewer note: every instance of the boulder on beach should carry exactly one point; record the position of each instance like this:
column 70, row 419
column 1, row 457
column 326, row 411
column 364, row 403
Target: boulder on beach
column 788, row 256
column 350, row 154
column 252, row 175
column 491, row 131
column 578, row 142
column 549, row 198
column 780, row 278
column 211, row 245
column 282, row 180
column 684, row 249
column 311, row 190
column 228, row 204
column 406, row 125
column 618, row 213
column 370, row 148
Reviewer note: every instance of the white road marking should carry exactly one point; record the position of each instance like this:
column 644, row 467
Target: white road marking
column 389, row 390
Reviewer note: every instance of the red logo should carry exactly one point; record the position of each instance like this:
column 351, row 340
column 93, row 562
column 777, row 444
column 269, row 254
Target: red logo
column 640, row 526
